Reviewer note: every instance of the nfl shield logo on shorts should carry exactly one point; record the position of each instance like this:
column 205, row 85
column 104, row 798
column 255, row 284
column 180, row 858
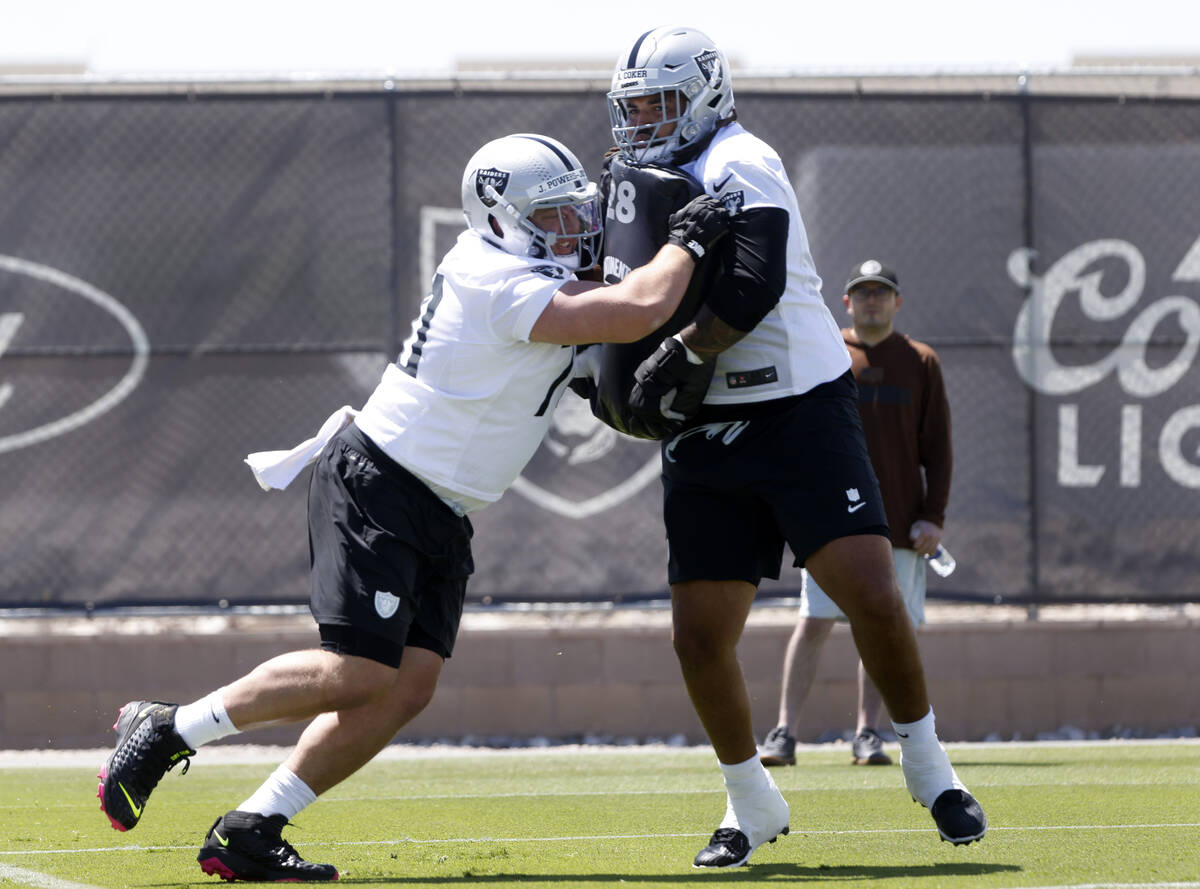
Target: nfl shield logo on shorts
column 386, row 604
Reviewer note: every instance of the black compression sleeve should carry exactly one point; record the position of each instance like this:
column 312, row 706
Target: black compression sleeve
column 755, row 268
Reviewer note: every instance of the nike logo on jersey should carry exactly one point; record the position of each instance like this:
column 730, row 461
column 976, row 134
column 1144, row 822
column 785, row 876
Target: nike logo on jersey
column 856, row 507
column 718, row 186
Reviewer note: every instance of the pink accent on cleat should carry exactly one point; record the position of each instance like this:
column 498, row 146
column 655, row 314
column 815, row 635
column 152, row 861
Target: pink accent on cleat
column 100, row 796
column 216, row 867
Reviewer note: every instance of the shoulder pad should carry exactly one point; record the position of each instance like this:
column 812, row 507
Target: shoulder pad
column 665, row 178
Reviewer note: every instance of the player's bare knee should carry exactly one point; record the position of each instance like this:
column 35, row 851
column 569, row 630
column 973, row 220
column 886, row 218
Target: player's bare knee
column 885, row 600
column 697, row 647
column 415, row 696
column 351, row 681
column 874, row 604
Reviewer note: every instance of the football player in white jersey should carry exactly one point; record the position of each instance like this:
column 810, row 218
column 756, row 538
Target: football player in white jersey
column 776, row 453
column 449, row 427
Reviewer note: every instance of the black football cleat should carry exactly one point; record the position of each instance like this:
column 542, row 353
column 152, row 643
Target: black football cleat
column 960, row 819
column 729, row 847
column 249, row 846
column 757, row 819
column 147, row 748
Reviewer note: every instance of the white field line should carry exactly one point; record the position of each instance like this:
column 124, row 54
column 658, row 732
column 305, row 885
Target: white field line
column 799, row 831
column 23, row 877
column 787, row 789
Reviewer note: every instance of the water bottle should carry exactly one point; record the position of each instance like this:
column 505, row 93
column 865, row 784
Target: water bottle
column 942, row 562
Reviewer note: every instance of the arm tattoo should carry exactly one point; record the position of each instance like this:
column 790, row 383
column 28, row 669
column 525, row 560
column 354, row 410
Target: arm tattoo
column 708, row 336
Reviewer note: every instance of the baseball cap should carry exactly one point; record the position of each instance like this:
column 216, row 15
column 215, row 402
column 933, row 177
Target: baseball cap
column 872, row 270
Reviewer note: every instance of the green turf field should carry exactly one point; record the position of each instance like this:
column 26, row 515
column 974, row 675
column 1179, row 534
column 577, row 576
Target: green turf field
column 1095, row 815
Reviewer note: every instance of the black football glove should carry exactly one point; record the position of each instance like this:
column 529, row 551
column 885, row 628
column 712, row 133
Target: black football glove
column 669, row 388
column 698, row 225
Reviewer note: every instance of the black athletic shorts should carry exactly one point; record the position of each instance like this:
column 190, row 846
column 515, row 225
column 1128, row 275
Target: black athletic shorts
column 741, row 481
column 390, row 560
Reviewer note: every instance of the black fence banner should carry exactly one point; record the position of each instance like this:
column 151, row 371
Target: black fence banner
column 188, row 278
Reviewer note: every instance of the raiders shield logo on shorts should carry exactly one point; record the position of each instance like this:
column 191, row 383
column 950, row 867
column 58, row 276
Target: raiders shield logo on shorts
column 386, row 604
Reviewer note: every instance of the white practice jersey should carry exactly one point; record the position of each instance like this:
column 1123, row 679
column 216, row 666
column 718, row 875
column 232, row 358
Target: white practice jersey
column 467, row 402
column 798, row 337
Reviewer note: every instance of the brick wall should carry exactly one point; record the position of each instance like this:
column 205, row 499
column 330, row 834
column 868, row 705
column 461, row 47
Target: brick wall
column 61, row 683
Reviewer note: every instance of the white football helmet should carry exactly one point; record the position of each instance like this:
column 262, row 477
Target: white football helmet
column 510, row 179
column 690, row 76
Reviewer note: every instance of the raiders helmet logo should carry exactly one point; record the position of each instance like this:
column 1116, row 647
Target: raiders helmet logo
column 497, row 179
column 708, row 62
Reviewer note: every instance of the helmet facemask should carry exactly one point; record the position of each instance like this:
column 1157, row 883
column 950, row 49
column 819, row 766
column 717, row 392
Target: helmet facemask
column 650, row 142
column 680, row 71
column 571, row 220
column 511, row 180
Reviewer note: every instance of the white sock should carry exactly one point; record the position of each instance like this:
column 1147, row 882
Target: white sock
column 745, row 778
column 204, row 721
column 918, row 740
column 764, row 812
column 927, row 768
column 281, row 794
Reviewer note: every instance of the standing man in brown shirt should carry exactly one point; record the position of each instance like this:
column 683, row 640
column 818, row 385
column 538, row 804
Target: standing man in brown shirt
column 906, row 418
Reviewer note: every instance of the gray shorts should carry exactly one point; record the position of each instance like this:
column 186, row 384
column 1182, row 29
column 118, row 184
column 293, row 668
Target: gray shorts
column 910, row 572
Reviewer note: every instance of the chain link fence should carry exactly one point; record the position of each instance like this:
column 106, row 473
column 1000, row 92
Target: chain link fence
column 187, row 276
